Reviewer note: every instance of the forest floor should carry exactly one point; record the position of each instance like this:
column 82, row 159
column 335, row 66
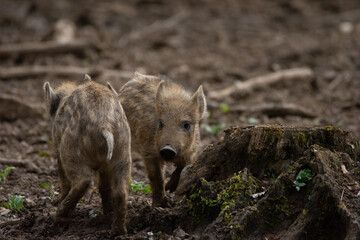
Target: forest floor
column 219, row 44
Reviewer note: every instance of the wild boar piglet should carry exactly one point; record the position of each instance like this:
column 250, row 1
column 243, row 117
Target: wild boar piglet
column 164, row 123
column 90, row 132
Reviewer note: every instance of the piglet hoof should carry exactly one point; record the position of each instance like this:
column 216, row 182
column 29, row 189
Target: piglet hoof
column 118, row 231
column 107, row 211
column 164, row 202
column 170, row 186
column 62, row 221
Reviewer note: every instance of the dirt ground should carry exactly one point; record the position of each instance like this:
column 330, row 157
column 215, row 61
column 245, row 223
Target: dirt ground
column 218, row 44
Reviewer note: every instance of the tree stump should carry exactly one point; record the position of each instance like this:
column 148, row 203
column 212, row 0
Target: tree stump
column 276, row 182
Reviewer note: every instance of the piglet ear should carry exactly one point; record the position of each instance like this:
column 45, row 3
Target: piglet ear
column 199, row 101
column 140, row 76
column 112, row 89
column 159, row 93
column 49, row 96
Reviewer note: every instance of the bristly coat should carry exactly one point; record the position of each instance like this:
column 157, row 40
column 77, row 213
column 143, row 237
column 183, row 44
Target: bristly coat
column 90, row 132
column 164, row 122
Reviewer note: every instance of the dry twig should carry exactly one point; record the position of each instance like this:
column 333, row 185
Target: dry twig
column 342, row 195
column 29, row 165
column 343, row 169
column 31, row 71
column 14, row 163
column 49, row 47
column 13, row 108
column 10, row 223
column 275, row 110
column 272, row 110
column 261, row 82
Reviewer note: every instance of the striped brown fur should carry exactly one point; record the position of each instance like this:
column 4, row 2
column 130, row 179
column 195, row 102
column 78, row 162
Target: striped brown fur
column 90, row 132
column 158, row 110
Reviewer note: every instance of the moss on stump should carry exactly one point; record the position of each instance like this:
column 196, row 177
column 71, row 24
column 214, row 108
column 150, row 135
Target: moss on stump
column 247, row 185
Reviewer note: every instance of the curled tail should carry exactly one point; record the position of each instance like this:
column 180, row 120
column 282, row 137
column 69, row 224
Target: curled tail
column 109, row 137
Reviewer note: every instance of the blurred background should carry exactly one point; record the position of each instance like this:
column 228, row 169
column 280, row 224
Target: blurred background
column 294, row 62
column 217, row 44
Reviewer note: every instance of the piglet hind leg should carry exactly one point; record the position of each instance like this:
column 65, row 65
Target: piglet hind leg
column 105, row 188
column 79, row 176
column 65, row 184
column 120, row 167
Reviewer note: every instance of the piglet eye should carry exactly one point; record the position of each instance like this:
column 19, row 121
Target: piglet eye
column 161, row 124
column 186, row 125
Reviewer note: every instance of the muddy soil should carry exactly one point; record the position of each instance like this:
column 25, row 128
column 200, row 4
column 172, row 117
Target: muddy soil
column 218, row 44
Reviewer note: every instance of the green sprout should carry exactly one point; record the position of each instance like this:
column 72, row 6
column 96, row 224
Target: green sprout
column 94, row 213
column 213, row 129
column 224, row 107
column 139, row 187
column 302, row 178
column 51, row 188
column 357, row 144
column 253, row 120
column 86, row 61
column 3, row 175
column 15, row 203
column 44, row 154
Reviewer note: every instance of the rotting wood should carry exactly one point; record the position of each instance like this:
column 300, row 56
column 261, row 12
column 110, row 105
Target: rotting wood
column 241, row 141
column 32, row 71
column 266, row 159
column 49, row 47
column 259, row 82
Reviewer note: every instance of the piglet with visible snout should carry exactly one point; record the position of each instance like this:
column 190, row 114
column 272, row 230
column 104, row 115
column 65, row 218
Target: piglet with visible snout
column 164, row 122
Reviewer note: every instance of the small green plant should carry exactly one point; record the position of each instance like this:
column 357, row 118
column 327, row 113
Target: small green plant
column 15, row 203
column 139, row 187
column 357, row 144
column 224, row 107
column 302, row 178
column 44, row 154
column 94, row 213
column 253, row 120
column 86, row 61
column 3, row 175
column 213, row 129
column 51, row 189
